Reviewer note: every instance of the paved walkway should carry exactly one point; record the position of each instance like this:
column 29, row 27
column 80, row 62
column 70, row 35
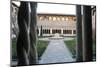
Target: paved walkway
column 56, row 52
column 65, row 38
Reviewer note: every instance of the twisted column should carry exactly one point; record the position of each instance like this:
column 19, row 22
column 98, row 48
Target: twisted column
column 26, row 42
column 33, row 34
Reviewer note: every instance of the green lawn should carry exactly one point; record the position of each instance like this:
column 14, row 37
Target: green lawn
column 41, row 46
column 14, row 54
column 71, row 44
column 72, row 47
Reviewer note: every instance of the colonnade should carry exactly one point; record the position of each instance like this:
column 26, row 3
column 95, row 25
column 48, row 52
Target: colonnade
column 61, row 31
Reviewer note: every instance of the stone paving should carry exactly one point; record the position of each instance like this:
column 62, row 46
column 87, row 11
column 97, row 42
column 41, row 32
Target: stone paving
column 48, row 38
column 56, row 52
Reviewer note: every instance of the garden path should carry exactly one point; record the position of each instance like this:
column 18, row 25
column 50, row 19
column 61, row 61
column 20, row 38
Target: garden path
column 56, row 52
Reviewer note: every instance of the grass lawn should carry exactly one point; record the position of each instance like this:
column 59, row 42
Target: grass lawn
column 14, row 54
column 72, row 47
column 71, row 44
column 41, row 46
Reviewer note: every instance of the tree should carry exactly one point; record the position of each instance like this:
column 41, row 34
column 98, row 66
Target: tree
column 41, row 33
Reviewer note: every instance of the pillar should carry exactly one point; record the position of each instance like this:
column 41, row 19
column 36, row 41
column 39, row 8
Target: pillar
column 23, row 41
column 27, row 38
column 72, row 32
column 87, row 33
column 79, row 46
column 33, row 56
column 51, row 31
column 61, row 31
column 39, row 32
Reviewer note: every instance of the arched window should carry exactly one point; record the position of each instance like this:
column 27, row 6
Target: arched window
column 41, row 17
column 54, row 18
column 50, row 18
column 63, row 18
column 66, row 18
column 58, row 18
column 70, row 18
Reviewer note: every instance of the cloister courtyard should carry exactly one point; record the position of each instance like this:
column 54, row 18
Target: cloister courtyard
column 40, row 37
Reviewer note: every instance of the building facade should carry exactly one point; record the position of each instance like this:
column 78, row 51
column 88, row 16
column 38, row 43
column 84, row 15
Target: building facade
column 49, row 24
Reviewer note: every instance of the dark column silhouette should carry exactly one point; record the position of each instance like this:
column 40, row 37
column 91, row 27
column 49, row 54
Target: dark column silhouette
column 26, row 42
column 87, row 33
column 23, row 37
column 79, row 49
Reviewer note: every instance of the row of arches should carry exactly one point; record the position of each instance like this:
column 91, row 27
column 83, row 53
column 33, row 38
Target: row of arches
column 53, row 31
column 57, row 18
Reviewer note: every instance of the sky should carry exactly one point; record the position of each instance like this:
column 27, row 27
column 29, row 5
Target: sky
column 56, row 8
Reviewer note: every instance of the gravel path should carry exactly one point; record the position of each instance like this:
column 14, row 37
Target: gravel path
column 56, row 52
